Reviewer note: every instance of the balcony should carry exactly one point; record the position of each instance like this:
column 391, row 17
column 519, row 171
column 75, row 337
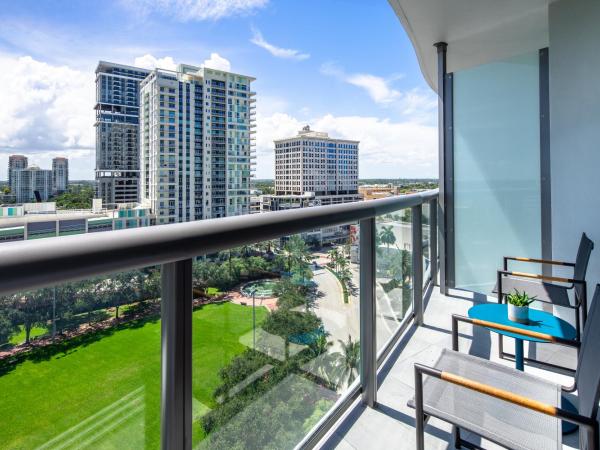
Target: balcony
column 392, row 420
column 110, row 296
column 301, row 328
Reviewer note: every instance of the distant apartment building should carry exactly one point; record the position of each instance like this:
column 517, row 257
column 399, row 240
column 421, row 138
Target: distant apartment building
column 117, row 132
column 314, row 162
column 32, row 184
column 196, row 144
column 15, row 162
column 60, row 175
column 313, row 169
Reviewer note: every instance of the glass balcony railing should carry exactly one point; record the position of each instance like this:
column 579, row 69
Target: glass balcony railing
column 279, row 340
column 394, row 279
column 243, row 332
column 80, row 363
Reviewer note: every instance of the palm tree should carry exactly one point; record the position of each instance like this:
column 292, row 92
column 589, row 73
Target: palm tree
column 334, row 257
column 320, row 344
column 387, row 236
column 348, row 361
column 296, row 252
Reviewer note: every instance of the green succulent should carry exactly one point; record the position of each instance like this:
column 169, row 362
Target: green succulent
column 520, row 299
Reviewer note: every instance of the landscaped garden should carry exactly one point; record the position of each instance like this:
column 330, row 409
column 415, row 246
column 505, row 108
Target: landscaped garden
column 104, row 390
column 96, row 384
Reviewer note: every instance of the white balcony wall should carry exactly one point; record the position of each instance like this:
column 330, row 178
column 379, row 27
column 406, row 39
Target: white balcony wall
column 575, row 128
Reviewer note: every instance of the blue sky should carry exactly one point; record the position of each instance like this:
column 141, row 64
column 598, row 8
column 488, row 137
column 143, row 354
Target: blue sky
column 342, row 66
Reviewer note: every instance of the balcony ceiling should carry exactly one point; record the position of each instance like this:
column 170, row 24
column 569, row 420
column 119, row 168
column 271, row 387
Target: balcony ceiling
column 477, row 31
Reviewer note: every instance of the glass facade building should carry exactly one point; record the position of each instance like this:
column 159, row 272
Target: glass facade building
column 117, row 122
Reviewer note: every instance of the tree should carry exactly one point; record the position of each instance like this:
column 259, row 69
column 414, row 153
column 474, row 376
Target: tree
column 333, row 258
column 320, row 345
column 348, row 361
column 296, row 252
column 8, row 320
column 387, row 236
column 151, row 285
column 117, row 291
column 77, row 197
column 34, row 308
column 288, row 323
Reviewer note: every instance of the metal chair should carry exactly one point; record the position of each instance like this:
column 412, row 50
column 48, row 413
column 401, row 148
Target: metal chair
column 506, row 406
column 545, row 289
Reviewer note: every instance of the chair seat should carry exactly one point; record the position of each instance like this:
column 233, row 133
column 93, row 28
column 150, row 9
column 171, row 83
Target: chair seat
column 547, row 292
column 496, row 420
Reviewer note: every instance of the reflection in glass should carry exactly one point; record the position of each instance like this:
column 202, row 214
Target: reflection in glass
column 81, row 362
column 275, row 339
column 393, row 272
column 426, row 243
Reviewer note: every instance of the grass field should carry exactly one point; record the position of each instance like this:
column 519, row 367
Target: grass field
column 104, row 392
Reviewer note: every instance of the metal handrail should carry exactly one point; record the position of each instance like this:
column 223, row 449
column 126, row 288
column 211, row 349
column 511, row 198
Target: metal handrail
column 33, row 264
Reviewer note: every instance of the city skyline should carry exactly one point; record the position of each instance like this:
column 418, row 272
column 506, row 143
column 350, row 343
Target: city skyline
column 337, row 80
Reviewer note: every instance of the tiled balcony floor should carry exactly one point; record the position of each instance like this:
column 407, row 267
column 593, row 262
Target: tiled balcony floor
column 391, row 423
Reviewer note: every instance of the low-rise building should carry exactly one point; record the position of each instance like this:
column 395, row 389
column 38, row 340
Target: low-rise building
column 375, row 191
column 43, row 220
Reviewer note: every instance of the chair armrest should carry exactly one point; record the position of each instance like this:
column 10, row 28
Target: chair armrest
column 501, row 327
column 536, row 260
column 540, row 277
column 498, row 393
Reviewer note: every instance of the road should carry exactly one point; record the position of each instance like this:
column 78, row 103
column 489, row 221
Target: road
column 342, row 319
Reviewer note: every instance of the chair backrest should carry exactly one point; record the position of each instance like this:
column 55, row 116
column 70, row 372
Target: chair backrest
column 581, row 262
column 588, row 367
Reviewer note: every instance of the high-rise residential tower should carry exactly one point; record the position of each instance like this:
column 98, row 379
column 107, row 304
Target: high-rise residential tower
column 312, row 162
column 32, row 184
column 117, row 132
column 196, row 144
column 60, row 174
column 15, row 162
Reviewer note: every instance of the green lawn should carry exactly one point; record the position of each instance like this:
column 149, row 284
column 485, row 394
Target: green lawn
column 105, row 392
column 19, row 337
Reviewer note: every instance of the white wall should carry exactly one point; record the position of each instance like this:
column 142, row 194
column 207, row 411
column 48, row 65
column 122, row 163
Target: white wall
column 575, row 128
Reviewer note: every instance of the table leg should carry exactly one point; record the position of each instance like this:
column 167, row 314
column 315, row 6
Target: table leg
column 519, row 354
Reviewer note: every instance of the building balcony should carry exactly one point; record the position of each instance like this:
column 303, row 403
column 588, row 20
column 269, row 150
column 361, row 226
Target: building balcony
column 301, row 328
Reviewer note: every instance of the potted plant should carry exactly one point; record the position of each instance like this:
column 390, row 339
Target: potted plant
column 518, row 306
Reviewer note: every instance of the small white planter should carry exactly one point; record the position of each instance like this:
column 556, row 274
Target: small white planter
column 519, row 314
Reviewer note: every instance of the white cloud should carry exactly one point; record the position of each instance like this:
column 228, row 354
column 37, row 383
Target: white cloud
column 47, row 110
column 44, row 106
column 217, row 62
column 387, row 149
column 378, row 88
column 186, row 10
column 149, row 61
column 416, row 104
column 279, row 52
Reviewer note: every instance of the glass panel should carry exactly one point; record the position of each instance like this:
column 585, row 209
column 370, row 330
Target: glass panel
column 393, row 263
column 426, row 244
column 80, row 364
column 275, row 338
column 496, row 168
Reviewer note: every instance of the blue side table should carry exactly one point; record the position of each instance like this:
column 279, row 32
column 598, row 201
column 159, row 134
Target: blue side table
column 540, row 322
